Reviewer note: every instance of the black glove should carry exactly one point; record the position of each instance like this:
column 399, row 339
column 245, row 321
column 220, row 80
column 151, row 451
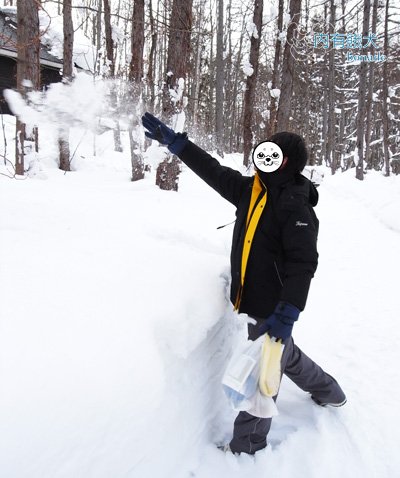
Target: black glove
column 157, row 130
column 280, row 323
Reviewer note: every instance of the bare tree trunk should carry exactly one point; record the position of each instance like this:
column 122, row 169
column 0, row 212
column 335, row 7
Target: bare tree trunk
column 151, row 68
column 210, row 126
column 109, row 39
column 235, row 115
column 228, row 84
column 219, row 83
column 98, row 34
column 385, row 94
column 325, row 103
column 340, row 140
column 331, row 81
column 136, row 157
column 137, row 42
column 271, row 125
column 197, row 77
column 285, row 99
column 111, row 73
column 361, row 100
column 28, row 70
column 63, row 140
column 251, row 82
column 136, row 76
column 369, row 101
column 177, row 64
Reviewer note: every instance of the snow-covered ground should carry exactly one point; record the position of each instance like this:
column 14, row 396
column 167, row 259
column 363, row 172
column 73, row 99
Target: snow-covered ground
column 115, row 329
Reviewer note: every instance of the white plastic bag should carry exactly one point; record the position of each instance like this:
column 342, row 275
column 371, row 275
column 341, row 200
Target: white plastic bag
column 240, row 381
column 252, row 377
column 262, row 406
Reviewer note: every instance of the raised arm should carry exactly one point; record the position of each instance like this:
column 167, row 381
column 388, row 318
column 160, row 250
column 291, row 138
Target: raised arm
column 226, row 181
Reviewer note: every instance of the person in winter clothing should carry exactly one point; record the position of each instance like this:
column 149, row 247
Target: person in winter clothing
column 271, row 268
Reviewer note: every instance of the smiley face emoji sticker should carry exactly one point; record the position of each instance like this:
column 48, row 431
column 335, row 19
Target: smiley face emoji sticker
column 267, row 157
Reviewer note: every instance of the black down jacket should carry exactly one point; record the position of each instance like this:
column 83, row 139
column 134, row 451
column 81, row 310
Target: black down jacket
column 283, row 257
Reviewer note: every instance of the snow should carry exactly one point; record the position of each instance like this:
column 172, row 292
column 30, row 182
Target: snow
column 86, row 103
column 275, row 93
column 270, row 12
column 177, row 92
column 115, row 327
column 355, row 155
column 27, row 83
column 247, row 68
column 51, row 26
column 282, row 35
column 286, row 18
column 117, row 34
column 251, row 28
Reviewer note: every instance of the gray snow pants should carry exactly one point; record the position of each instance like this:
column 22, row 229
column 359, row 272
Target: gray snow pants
column 249, row 432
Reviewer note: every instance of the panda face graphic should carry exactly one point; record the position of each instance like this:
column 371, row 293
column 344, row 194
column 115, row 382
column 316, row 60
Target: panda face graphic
column 267, row 157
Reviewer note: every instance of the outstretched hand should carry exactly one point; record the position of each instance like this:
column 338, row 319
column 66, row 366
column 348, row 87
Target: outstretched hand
column 159, row 131
column 156, row 129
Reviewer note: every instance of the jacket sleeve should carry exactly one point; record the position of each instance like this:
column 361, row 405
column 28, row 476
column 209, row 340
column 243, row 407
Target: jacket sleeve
column 300, row 256
column 228, row 182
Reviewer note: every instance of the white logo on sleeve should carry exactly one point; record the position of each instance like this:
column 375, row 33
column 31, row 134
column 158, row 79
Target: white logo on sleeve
column 299, row 223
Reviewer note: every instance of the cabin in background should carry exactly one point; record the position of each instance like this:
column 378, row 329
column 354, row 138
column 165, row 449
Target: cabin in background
column 50, row 66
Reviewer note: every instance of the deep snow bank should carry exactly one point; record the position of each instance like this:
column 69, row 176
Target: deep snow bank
column 115, row 329
column 114, row 325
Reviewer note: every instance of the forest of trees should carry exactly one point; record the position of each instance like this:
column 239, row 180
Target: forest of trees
column 239, row 71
